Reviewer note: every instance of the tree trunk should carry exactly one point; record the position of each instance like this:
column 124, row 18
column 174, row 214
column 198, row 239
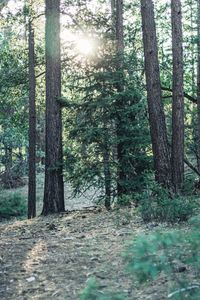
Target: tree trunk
column 178, row 98
column 156, row 113
column 8, row 159
column 113, row 16
column 198, row 84
column 54, row 187
column 32, row 127
column 120, row 103
column 107, row 173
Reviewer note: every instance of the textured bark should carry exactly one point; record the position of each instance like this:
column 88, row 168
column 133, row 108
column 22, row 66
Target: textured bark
column 178, row 98
column 32, row 128
column 120, row 103
column 120, row 30
column 107, row 173
column 198, row 85
column 113, row 14
column 54, row 187
column 8, row 159
column 154, row 96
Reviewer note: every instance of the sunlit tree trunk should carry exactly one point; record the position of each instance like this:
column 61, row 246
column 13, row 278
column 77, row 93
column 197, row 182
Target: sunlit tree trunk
column 178, row 98
column 154, row 96
column 54, row 187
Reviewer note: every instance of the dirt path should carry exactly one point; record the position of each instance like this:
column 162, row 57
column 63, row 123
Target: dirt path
column 53, row 257
column 58, row 254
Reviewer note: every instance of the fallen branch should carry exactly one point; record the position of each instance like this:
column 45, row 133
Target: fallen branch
column 191, row 167
column 184, row 290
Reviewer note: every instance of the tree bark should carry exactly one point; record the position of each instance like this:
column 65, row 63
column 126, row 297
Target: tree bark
column 54, row 187
column 113, row 15
column 120, row 103
column 154, row 96
column 32, row 127
column 107, row 173
column 198, row 85
column 8, row 159
column 177, row 157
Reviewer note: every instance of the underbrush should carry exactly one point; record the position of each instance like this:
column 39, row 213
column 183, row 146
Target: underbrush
column 170, row 259
column 94, row 292
column 12, row 205
column 173, row 254
column 158, row 204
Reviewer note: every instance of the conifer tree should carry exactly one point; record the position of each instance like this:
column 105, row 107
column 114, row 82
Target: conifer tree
column 32, row 123
column 54, row 186
column 178, row 98
column 154, row 96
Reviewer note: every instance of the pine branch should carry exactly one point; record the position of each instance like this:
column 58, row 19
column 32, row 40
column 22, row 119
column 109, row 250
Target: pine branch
column 189, row 97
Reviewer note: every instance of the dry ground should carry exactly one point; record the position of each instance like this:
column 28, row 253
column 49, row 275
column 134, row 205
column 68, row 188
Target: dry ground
column 53, row 257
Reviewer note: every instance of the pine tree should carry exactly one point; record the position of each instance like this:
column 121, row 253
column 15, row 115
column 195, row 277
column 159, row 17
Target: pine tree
column 154, row 96
column 54, row 187
column 178, row 98
column 32, row 125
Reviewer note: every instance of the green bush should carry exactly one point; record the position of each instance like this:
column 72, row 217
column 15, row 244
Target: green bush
column 12, row 205
column 156, row 204
column 93, row 292
column 124, row 200
column 150, row 255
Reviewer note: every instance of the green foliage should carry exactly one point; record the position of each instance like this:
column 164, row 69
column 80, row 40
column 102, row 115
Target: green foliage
column 156, row 204
column 150, row 255
column 12, row 205
column 124, row 200
column 92, row 292
column 147, row 256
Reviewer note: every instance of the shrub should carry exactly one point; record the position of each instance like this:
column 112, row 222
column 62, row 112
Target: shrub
column 156, row 204
column 168, row 252
column 124, row 200
column 92, row 292
column 12, row 205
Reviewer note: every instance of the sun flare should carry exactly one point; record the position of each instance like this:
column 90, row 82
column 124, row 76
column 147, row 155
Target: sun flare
column 85, row 46
column 82, row 44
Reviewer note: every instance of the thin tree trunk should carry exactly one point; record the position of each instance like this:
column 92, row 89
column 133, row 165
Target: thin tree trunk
column 198, row 84
column 156, row 113
column 120, row 103
column 178, row 98
column 54, row 187
column 8, row 159
column 32, row 127
column 113, row 14
column 107, row 173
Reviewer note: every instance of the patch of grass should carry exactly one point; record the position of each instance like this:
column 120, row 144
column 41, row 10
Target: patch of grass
column 93, row 292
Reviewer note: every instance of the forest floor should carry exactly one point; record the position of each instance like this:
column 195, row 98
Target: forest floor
column 53, row 257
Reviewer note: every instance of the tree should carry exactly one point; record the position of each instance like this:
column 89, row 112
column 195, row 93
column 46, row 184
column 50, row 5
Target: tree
column 120, row 102
column 198, row 83
column 178, row 98
column 32, row 126
column 54, row 186
column 156, row 114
